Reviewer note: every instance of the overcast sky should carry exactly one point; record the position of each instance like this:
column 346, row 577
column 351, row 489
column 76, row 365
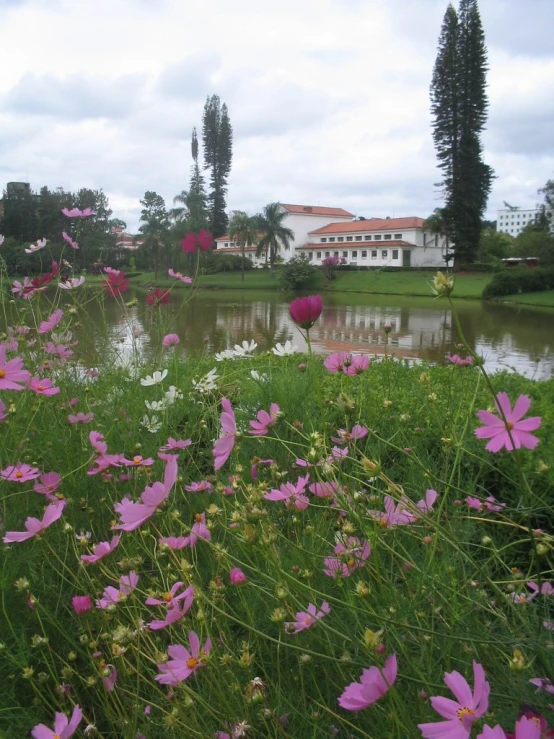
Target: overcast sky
column 328, row 99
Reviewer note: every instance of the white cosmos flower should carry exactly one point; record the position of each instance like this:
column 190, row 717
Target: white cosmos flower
column 155, row 405
column 156, row 378
column 173, row 394
column 71, row 283
column 225, row 354
column 206, row 383
column 285, row 350
column 151, row 424
column 245, row 349
column 255, row 375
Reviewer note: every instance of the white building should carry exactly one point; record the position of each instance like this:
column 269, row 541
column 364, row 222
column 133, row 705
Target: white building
column 512, row 220
column 321, row 232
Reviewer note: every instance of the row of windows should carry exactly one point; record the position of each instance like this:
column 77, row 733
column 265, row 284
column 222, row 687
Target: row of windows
column 367, row 237
column 354, row 254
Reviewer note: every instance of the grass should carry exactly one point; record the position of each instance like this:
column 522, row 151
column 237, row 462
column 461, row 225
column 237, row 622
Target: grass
column 544, row 298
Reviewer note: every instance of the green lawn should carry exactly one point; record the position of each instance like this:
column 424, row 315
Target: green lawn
column 543, row 298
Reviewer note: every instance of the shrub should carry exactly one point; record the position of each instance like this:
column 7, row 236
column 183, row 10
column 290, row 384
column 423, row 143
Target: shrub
column 514, row 280
column 297, row 273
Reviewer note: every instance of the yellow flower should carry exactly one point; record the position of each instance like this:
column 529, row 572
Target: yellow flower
column 442, row 285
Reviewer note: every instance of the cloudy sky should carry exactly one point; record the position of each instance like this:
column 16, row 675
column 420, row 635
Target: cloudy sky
column 329, row 99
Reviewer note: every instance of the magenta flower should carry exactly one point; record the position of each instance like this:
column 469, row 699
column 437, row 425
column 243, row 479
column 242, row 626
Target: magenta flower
column 349, row 364
column 113, row 596
column 292, row 495
column 80, row 418
column 20, row 473
column 462, row 712
column 34, row 526
column 25, row 289
column 60, row 351
column 137, row 461
column 237, row 576
column 324, row 489
column 110, row 679
column 174, row 542
column 351, row 555
column 403, row 512
column 489, row 504
column 527, row 727
column 63, row 728
column 81, row 604
column 499, row 431
column 12, row 372
column 101, row 550
column 203, row 241
column 3, row 414
column 158, row 297
column 174, row 444
column 116, row 283
column 344, row 436
column 179, row 276
column 306, row 619
column 76, row 213
column 69, row 283
column 170, row 340
column 67, row 237
column 41, row 243
column 43, row 386
column 132, row 515
column 177, row 605
column 224, row 445
column 373, row 685
column 48, row 485
column 172, row 616
column 456, row 359
column 260, row 427
column 198, row 487
column 183, row 663
column 51, row 323
column 305, row 311
column 542, row 683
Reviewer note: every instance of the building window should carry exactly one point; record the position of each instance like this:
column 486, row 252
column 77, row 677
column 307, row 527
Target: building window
column 331, row 238
column 377, row 238
column 358, row 238
column 397, row 236
column 354, row 255
column 374, row 254
column 384, row 254
column 335, row 253
column 349, row 238
column 388, row 237
column 368, row 237
column 324, row 241
column 319, row 255
column 345, row 254
column 395, row 253
column 310, row 255
column 340, row 238
column 227, row 244
column 327, row 254
column 364, row 255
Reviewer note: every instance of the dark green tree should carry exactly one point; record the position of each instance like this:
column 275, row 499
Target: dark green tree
column 459, row 108
column 19, row 213
column 217, row 137
column 274, row 233
column 155, row 227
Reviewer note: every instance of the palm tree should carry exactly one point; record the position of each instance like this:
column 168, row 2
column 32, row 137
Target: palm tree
column 242, row 229
column 438, row 225
column 274, row 233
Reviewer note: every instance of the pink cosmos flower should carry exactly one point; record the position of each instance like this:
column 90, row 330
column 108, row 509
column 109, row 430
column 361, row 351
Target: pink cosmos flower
column 489, row 504
column 3, row 414
column 174, row 444
column 237, row 576
column 110, row 679
column 404, row 512
column 172, row 616
column 25, row 289
column 183, row 663
column 533, row 718
column 260, row 427
column 80, row 418
column 51, row 322
column 305, row 311
column 113, row 596
column 137, row 461
column 97, row 441
column 545, row 589
column 203, row 241
column 347, row 363
column 542, row 683
column 76, row 213
column 526, row 728
column 224, row 445
column 63, row 728
column 48, row 485
column 71, row 282
column 179, row 276
column 101, row 550
column 456, row 359
column 20, row 473
column 67, row 237
column 116, row 283
column 352, row 554
column 499, row 431
column 12, row 372
column 324, row 489
column 174, row 542
column 177, row 605
column 292, row 495
column 43, row 386
column 198, row 487
column 158, row 297
column 41, row 243
column 132, row 515
column 256, row 462
column 199, row 530
column 34, row 526
column 373, row 685
column 81, row 604
column 60, row 351
column 306, row 619
column 170, row 340
column 462, row 712
column 358, row 432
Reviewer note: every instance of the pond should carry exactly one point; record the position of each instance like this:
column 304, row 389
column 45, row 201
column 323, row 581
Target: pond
column 506, row 336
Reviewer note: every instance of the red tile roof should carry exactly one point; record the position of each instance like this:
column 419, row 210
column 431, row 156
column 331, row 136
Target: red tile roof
column 334, row 246
column 235, row 249
column 371, row 224
column 317, row 210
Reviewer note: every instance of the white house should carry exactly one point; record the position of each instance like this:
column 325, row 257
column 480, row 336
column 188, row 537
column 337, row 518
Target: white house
column 512, row 220
column 321, row 232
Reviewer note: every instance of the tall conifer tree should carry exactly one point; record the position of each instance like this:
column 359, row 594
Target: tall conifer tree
column 459, row 107
column 217, row 136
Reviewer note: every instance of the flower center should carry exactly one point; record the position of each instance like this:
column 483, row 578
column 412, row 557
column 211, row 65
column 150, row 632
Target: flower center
column 2, row 374
column 351, row 562
column 40, row 387
column 192, row 662
column 167, row 597
column 198, row 518
column 509, row 425
column 19, row 474
column 56, row 736
column 461, row 713
column 137, row 460
column 308, row 620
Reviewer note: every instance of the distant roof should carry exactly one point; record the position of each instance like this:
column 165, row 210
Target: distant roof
column 356, row 245
column 317, row 210
column 371, row 224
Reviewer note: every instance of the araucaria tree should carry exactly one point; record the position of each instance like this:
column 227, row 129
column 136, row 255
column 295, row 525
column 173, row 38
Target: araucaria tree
column 217, row 137
column 459, row 108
